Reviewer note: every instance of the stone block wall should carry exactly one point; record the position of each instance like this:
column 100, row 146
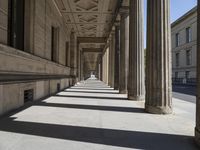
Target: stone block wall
column 3, row 21
column 33, row 68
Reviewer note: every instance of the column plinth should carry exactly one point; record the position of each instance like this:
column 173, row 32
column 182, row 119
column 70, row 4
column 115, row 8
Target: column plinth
column 136, row 86
column 158, row 109
column 158, row 58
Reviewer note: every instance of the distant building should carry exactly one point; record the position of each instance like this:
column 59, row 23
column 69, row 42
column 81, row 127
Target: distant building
column 184, row 39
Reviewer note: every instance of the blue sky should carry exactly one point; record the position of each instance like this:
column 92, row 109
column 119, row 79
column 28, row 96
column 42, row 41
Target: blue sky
column 178, row 8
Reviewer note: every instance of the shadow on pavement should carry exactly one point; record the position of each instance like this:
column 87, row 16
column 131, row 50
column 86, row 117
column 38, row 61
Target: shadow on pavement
column 111, row 137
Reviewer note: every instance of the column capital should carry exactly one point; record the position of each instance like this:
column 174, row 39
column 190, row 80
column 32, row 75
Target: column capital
column 112, row 33
column 117, row 24
column 73, row 31
column 124, row 11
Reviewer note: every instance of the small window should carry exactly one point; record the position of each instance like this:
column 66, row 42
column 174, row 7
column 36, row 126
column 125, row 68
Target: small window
column 177, row 39
column 188, row 57
column 177, row 59
column 16, row 24
column 176, row 75
column 187, row 74
column 67, row 54
column 188, row 35
column 54, row 44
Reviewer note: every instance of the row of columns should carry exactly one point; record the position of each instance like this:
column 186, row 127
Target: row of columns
column 123, row 60
column 158, row 92
column 126, row 64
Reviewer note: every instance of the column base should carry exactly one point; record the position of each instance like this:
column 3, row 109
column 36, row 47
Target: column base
column 197, row 136
column 122, row 91
column 158, row 110
column 136, row 98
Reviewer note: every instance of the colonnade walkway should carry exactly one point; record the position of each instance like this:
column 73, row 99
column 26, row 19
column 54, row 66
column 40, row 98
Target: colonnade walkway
column 93, row 116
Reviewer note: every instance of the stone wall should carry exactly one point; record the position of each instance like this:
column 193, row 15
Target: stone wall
column 46, row 16
column 33, row 68
column 3, row 21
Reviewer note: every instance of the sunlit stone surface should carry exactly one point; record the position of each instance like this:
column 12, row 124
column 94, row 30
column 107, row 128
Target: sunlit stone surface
column 91, row 115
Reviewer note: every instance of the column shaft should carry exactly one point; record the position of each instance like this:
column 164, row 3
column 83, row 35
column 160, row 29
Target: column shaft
column 113, row 59
column 158, row 72
column 82, row 62
column 117, row 49
column 197, row 129
column 78, row 63
column 100, row 67
column 136, row 85
column 104, row 67
column 73, row 53
column 127, row 52
column 107, row 64
column 124, row 48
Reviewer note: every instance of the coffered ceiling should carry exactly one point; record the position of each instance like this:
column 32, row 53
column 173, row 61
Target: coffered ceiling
column 89, row 18
column 90, row 60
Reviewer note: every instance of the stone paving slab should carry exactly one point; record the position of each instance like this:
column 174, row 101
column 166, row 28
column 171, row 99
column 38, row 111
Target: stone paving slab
column 78, row 120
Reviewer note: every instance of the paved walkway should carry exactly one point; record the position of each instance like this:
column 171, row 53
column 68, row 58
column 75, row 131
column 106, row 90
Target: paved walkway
column 92, row 116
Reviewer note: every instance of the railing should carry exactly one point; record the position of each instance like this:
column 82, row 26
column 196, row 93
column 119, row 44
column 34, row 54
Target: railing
column 184, row 81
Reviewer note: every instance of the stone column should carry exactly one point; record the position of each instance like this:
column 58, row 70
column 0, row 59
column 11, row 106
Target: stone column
column 197, row 129
column 101, row 68
column 73, row 53
column 99, row 75
column 78, row 62
column 127, row 52
column 104, row 67
column 82, row 62
column 136, row 81
column 110, row 61
column 112, row 48
column 117, row 49
column 124, row 48
column 158, row 56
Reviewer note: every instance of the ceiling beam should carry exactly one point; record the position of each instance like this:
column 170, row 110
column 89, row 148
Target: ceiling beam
column 91, row 40
column 92, row 50
column 90, row 62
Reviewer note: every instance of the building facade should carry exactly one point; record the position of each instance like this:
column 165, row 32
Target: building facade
column 34, row 52
column 184, row 48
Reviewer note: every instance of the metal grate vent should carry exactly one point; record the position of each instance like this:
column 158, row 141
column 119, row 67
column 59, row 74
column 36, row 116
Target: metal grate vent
column 28, row 95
